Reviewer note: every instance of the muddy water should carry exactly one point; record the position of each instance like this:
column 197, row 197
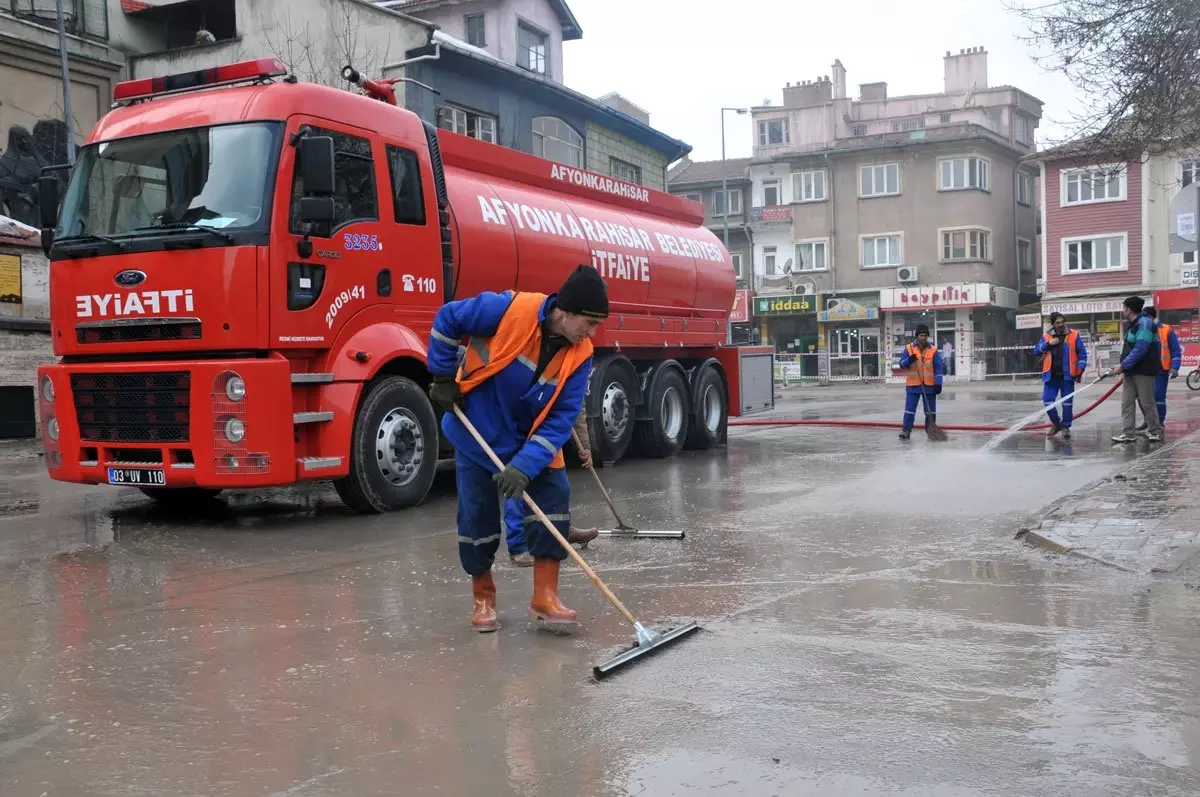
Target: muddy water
column 870, row 628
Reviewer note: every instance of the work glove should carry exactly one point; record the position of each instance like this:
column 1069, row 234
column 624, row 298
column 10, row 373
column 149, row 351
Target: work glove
column 937, row 390
column 1174, row 373
column 511, row 482
column 444, row 392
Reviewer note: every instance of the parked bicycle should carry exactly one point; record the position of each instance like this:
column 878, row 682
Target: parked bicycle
column 1193, row 379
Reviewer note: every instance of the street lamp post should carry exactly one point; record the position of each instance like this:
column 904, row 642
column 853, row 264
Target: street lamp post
column 725, row 200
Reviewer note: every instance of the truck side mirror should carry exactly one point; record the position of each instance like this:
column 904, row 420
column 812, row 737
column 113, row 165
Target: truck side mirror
column 316, row 209
column 48, row 201
column 316, row 165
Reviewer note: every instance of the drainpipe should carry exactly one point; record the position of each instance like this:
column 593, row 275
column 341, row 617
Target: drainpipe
column 66, row 79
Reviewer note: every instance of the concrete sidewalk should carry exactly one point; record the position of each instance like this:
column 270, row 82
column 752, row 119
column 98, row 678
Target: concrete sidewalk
column 1145, row 519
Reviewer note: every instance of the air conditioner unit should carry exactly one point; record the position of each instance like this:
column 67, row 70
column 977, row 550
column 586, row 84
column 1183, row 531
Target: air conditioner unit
column 804, row 289
column 907, row 274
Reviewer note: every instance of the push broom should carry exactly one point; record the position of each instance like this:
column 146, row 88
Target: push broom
column 622, row 530
column 648, row 640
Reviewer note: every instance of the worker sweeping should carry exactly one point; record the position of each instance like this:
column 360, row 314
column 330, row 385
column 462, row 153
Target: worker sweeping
column 522, row 385
column 1064, row 359
column 1171, row 356
column 516, row 514
column 924, row 382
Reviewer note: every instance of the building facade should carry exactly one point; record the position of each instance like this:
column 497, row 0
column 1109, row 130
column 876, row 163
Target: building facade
column 863, row 201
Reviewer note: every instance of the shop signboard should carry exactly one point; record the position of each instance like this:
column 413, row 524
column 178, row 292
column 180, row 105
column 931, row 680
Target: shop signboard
column 929, row 297
column 1085, row 306
column 838, row 309
column 1187, row 277
column 1029, row 321
column 785, row 305
column 741, row 308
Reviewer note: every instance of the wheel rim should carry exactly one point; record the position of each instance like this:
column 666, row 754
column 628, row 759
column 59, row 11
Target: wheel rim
column 615, row 412
column 399, row 446
column 671, row 413
column 711, row 404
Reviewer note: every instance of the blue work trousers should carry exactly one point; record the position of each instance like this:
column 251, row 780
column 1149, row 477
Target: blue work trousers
column 912, row 400
column 479, row 515
column 1050, row 392
column 514, row 525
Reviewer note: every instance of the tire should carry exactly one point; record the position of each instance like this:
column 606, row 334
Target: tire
column 180, row 497
column 394, row 448
column 1193, row 379
column 616, row 391
column 710, row 412
column 664, row 432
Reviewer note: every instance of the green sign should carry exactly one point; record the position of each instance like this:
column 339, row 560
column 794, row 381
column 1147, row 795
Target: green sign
column 784, row 305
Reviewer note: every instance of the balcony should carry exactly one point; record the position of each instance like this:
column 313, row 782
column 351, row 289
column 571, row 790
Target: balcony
column 771, row 214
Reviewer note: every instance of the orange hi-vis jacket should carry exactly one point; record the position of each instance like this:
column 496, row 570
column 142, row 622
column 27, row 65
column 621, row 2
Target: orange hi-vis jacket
column 1071, row 347
column 922, row 366
column 1171, row 355
column 507, row 360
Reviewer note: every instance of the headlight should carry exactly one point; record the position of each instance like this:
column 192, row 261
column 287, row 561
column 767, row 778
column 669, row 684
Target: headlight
column 235, row 388
column 51, row 427
column 235, row 430
column 47, row 388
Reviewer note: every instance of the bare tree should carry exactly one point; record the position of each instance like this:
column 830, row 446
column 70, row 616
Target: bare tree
column 1136, row 64
column 315, row 50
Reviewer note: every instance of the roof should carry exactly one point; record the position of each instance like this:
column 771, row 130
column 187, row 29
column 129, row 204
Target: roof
column 571, row 30
column 615, row 120
column 696, row 172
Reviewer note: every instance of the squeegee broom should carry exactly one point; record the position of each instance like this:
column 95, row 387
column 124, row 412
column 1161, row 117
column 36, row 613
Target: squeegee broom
column 648, row 640
column 622, row 530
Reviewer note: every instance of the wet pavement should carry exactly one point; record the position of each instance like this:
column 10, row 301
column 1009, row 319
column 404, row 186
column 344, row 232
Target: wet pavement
column 870, row 627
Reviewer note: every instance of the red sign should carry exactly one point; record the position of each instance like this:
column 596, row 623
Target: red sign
column 741, row 308
column 771, row 214
column 1176, row 299
column 1191, row 356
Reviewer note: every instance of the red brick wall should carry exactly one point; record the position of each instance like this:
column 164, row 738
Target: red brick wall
column 1101, row 218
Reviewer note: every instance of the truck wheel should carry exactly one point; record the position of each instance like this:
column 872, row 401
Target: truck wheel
column 393, row 454
column 710, row 413
column 180, row 497
column 662, row 435
column 617, row 389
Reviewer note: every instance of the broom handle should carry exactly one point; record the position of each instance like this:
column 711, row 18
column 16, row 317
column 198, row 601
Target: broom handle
column 579, row 560
column 600, row 484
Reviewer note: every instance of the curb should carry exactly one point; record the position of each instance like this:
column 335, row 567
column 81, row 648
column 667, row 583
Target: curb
column 1051, row 544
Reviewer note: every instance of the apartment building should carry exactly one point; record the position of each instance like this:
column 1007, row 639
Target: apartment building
column 895, row 211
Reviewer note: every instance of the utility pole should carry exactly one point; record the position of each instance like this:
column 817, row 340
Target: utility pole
column 725, row 200
column 66, row 78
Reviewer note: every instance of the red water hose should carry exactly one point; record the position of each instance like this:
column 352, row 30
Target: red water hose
column 897, row 425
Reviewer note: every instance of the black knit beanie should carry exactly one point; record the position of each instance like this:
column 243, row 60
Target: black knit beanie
column 922, row 329
column 584, row 293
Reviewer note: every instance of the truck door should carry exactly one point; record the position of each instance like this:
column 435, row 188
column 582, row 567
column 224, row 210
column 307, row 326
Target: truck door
column 311, row 297
column 414, row 261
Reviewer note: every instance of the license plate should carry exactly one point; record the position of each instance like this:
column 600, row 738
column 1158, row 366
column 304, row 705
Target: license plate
column 140, row 477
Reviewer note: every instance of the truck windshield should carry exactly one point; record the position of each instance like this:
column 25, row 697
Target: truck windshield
column 214, row 177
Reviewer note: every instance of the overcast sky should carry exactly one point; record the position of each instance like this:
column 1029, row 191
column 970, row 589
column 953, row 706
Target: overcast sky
column 682, row 61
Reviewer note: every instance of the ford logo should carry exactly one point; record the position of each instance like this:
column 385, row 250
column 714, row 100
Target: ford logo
column 129, row 278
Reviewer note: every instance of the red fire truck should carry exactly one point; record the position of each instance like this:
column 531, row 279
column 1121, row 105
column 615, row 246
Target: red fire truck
column 245, row 270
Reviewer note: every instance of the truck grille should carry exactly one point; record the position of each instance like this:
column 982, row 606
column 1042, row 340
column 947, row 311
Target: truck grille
column 133, row 408
column 153, row 329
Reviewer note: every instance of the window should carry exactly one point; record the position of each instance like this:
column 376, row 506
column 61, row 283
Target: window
column 354, row 183
column 768, row 260
column 1024, row 255
column 966, row 245
column 731, row 199
column 810, row 256
column 858, row 130
column 882, row 180
column 469, row 123
column 475, row 34
column 695, row 197
column 532, row 49
column 771, row 193
column 907, row 125
column 1024, row 188
column 772, row 132
column 1094, row 184
column 1082, row 255
column 554, row 140
column 1022, row 129
column 881, row 251
column 1189, row 172
column 808, row 186
column 407, row 193
column 1189, row 258
column 625, row 171
column 958, row 174
column 736, row 257
column 944, row 119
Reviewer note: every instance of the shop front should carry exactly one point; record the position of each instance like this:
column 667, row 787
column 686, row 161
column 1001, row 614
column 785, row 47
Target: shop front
column 1178, row 308
column 969, row 322
column 1097, row 318
column 850, row 328
column 741, row 326
column 789, row 322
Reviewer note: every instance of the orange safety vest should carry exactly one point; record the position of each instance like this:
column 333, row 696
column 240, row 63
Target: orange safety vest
column 1164, row 350
column 519, row 337
column 1072, row 357
column 921, row 371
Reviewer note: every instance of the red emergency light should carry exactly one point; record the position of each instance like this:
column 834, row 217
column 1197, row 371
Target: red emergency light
column 258, row 69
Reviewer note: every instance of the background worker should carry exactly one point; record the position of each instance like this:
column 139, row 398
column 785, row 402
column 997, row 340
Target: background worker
column 1141, row 364
column 1170, row 358
column 1064, row 359
column 522, row 385
column 925, row 368
column 515, row 511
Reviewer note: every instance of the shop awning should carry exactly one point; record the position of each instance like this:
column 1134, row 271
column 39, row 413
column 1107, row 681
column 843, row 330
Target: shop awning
column 1177, row 299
